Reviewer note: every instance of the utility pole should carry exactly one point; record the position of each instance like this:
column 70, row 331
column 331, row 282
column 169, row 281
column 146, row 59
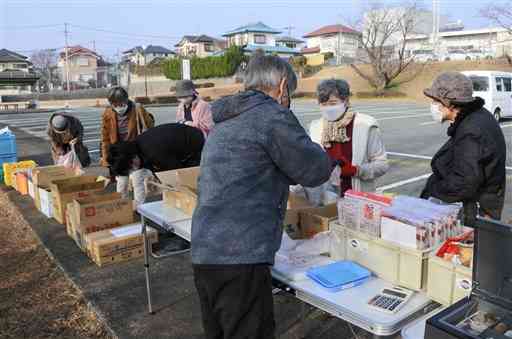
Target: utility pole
column 435, row 26
column 94, row 45
column 66, row 32
column 290, row 28
column 339, row 58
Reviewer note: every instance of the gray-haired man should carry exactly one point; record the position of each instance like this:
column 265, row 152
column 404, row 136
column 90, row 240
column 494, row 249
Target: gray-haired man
column 256, row 149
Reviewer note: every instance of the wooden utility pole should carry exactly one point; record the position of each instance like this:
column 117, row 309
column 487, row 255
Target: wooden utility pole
column 66, row 32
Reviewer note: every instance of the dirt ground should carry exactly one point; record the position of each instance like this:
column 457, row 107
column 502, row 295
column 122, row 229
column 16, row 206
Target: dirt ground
column 36, row 298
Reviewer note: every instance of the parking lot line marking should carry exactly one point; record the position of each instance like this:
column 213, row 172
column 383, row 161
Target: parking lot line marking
column 407, row 155
column 429, row 123
column 403, row 182
column 505, row 126
column 404, row 117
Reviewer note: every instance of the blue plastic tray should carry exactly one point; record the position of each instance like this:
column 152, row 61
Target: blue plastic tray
column 339, row 275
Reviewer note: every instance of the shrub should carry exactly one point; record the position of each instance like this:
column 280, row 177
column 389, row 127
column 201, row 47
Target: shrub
column 165, row 99
column 209, row 67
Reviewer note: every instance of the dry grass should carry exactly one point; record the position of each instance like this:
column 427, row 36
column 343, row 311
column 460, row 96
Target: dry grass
column 36, row 299
column 413, row 89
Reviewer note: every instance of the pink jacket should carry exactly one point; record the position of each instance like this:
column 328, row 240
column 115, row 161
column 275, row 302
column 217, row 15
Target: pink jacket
column 201, row 115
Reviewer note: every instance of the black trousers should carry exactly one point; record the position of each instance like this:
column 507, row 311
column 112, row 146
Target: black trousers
column 236, row 301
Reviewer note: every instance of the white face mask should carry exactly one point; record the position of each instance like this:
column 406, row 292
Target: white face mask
column 186, row 100
column 333, row 113
column 436, row 113
column 121, row 110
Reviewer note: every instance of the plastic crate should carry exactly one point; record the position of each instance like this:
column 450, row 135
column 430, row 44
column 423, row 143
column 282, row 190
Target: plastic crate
column 10, row 170
column 4, row 160
column 7, row 144
column 447, row 282
column 398, row 265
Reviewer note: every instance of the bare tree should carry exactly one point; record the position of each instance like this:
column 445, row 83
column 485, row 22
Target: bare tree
column 501, row 15
column 384, row 43
column 44, row 61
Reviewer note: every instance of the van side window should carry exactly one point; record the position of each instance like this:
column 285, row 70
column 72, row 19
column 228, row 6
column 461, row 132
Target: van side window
column 499, row 85
column 507, row 84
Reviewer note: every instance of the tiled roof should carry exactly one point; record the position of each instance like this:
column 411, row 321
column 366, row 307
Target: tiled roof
column 271, row 49
column 331, row 29
column 310, row 50
column 9, row 56
column 258, row 27
column 289, row 39
column 72, row 50
column 198, row 38
column 157, row 50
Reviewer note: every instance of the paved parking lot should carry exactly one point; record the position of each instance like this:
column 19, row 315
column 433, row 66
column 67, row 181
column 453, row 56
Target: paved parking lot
column 411, row 137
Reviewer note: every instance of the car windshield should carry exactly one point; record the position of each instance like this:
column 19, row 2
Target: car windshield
column 480, row 83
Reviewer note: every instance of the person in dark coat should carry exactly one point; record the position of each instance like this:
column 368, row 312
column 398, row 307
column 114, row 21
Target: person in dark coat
column 254, row 152
column 162, row 148
column 470, row 167
column 66, row 131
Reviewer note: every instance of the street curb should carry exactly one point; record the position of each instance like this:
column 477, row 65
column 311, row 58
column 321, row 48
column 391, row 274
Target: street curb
column 27, row 111
column 14, row 203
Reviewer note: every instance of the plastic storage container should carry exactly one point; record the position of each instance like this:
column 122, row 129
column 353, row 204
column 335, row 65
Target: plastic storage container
column 10, row 170
column 338, row 245
column 447, row 282
column 4, row 160
column 398, row 265
column 7, row 144
column 339, row 275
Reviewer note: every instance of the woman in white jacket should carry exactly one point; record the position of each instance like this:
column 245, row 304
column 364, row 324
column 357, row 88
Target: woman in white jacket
column 351, row 139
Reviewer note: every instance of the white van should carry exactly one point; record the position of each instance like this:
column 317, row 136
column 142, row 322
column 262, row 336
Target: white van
column 495, row 88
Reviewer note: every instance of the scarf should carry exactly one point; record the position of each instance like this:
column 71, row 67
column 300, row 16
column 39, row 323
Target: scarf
column 336, row 131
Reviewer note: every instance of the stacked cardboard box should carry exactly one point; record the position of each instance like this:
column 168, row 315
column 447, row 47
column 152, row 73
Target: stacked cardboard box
column 96, row 213
column 181, row 192
column 304, row 223
column 42, row 178
column 118, row 244
column 65, row 191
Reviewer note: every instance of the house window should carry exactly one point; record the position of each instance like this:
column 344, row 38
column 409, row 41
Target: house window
column 208, row 48
column 83, row 61
column 260, row 39
column 20, row 66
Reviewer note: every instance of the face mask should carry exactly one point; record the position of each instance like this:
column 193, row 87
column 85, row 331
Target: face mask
column 121, row 110
column 437, row 115
column 186, row 100
column 333, row 113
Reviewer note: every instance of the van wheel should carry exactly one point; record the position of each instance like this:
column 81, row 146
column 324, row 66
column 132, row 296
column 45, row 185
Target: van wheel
column 497, row 114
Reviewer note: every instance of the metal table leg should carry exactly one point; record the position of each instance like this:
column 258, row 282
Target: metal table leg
column 147, row 250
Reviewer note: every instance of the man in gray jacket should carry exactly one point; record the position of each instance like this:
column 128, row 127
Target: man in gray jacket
column 255, row 151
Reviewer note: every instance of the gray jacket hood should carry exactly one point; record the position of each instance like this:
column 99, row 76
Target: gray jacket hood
column 232, row 106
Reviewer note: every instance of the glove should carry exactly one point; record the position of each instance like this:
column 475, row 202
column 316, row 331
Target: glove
column 348, row 170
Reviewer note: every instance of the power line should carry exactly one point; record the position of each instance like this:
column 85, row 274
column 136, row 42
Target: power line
column 28, row 27
column 125, row 33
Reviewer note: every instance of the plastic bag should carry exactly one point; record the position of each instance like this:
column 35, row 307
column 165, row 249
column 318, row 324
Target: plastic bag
column 70, row 160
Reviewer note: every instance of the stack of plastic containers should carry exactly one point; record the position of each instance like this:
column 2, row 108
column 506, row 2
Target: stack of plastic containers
column 7, row 149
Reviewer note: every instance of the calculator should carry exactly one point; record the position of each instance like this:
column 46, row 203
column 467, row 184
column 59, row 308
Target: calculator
column 391, row 300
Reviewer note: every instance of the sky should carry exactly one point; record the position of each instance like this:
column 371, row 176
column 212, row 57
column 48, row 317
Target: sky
column 112, row 26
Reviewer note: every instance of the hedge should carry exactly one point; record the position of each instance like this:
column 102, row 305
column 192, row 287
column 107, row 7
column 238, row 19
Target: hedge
column 209, row 67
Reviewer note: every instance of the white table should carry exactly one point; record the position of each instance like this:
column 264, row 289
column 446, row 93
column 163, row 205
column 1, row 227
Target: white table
column 349, row 305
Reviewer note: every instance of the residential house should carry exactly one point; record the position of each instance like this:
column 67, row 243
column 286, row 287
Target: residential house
column 86, row 68
column 258, row 36
column 16, row 73
column 199, row 45
column 340, row 40
column 141, row 56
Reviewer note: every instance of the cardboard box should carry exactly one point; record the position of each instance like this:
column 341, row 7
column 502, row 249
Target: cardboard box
column 181, row 192
column 118, row 244
column 96, row 213
column 296, row 201
column 31, row 189
column 43, row 177
column 65, row 191
column 45, row 202
column 305, row 223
